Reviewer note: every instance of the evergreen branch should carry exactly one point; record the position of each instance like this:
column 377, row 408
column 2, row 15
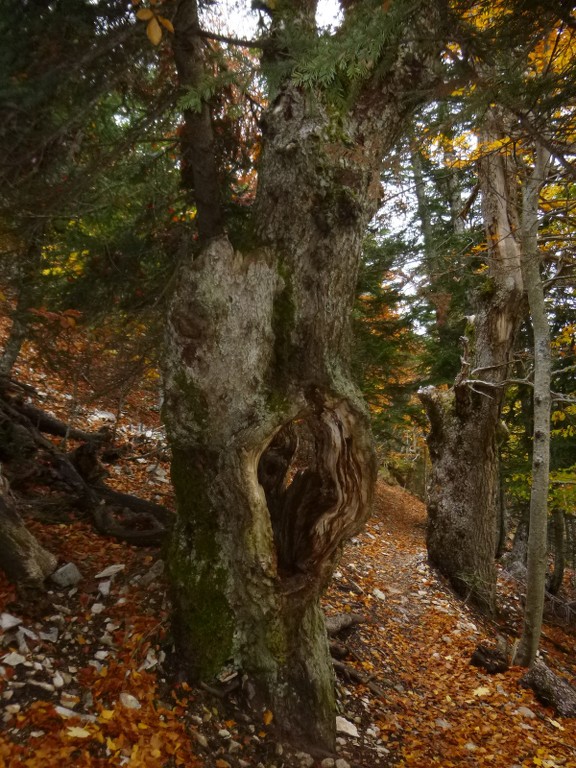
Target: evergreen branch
column 232, row 40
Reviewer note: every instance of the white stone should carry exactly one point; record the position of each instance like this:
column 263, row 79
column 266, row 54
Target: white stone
column 306, row 760
column 7, row 621
column 201, row 739
column 129, row 701
column 111, row 570
column 525, row 712
column 345, row 726
column 66, row 576
column 66, row 713
column 155, row 571
column 51, row 635
column 379, row 594
column 13, row 659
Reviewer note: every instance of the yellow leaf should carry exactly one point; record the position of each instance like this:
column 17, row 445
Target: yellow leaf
column 107, row 714
column 166, row 23
column 481, row 691
column 154, row 31
column 144, row 14
column 77, row 733
column 267, row 717
column 556, row 724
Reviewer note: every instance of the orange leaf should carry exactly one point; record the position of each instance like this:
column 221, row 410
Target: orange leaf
column 144, row 14
column 154, row 31
column 166, row 23
column 267, row 717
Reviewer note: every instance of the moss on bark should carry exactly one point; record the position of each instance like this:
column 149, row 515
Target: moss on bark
column 204, row 621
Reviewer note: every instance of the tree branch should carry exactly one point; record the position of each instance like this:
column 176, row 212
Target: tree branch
column 232, row 40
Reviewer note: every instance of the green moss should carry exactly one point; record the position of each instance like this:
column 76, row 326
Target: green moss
column 277, row 642
column 195, row 400
column 283, row 319
column 486, row 288
column 204, row 622
column 276, row 401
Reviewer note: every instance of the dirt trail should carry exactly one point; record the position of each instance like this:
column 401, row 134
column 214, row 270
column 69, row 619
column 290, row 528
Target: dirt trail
column 436, row 708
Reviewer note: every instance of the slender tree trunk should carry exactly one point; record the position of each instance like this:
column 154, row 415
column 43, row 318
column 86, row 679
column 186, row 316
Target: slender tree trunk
column 27, row 271
column 537, row 537
column 257, row 362
column 465, row 427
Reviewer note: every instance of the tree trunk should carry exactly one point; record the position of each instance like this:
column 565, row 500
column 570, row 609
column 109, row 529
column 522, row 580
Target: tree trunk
column 258, row 533
column 465, row 426
column 256, row 369
column 557, row 576
column 22, row 558
column 537, row 536
column 25, row 274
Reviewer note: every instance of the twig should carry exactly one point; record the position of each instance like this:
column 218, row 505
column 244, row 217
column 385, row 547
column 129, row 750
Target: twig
column 353, row 674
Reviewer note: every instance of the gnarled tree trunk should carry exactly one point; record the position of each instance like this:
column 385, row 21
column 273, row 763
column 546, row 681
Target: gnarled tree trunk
column 465, row 427
column 256, row 361
column 22, row 558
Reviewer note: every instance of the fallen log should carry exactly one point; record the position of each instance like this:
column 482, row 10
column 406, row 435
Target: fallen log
column 551, row 689
column 342, row 621
column 141, row 506
column 31, row 456
column 44, row 422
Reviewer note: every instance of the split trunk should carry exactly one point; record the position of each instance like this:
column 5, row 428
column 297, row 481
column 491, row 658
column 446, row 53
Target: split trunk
column 273, row 464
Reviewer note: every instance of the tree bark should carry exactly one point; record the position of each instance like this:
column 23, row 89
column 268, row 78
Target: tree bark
column 23, row 559
column 537, row 536
column 256, row 366
column 559, row 526
column 465, row 427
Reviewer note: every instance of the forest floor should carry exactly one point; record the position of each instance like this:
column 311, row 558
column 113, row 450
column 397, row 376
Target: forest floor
column 87, row 678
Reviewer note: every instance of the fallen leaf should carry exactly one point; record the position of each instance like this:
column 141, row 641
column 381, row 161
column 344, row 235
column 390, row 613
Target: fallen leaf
column 267, row 717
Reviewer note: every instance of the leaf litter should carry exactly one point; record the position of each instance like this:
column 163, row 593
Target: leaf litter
column 92, row 688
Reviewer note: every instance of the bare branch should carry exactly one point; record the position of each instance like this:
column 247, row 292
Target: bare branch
column 232, row 40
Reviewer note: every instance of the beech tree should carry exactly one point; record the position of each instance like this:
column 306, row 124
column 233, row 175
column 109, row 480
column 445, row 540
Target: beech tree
column 257, row 348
